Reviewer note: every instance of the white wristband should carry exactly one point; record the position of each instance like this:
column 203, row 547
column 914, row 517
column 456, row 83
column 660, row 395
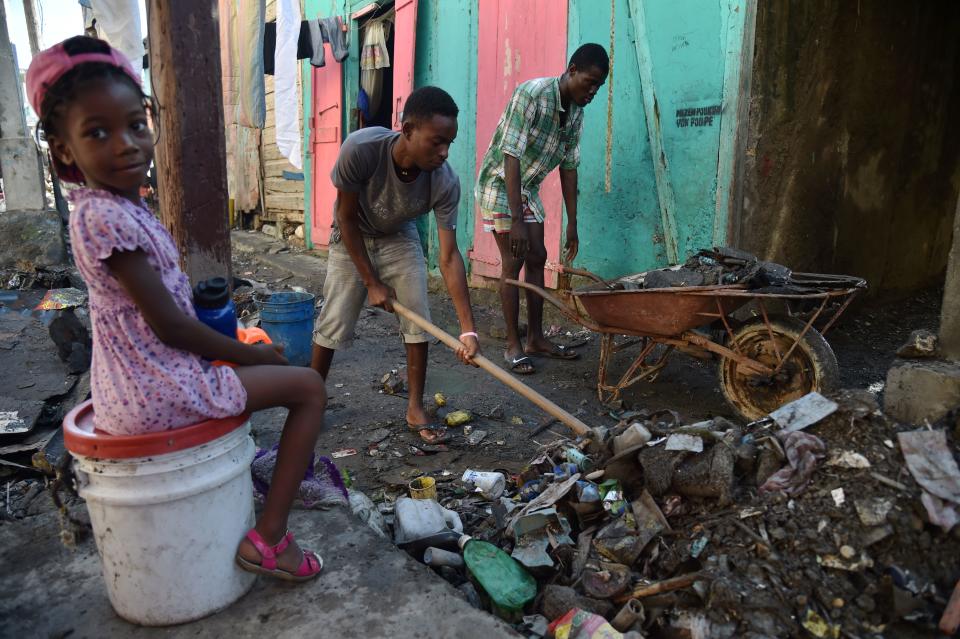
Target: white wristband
column 471, row 333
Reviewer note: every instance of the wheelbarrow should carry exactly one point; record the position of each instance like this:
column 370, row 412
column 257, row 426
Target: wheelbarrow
column 763, row 362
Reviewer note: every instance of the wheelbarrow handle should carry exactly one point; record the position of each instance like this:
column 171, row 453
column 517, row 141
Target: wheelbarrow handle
column 582, row 273
column 570, row 313
column 503, row 376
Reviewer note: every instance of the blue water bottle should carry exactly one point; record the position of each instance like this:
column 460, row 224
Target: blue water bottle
column 211, row 300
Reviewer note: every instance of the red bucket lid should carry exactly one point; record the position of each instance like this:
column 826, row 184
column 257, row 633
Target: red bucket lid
column 80, row 437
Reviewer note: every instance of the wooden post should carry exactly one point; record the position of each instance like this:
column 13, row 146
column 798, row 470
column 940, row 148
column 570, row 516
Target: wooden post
column 191, row 156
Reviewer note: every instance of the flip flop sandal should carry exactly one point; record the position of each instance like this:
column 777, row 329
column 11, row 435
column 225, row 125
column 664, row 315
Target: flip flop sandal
column 519, row 360
column 438, row 434
column 560, row 352
column 310, row 565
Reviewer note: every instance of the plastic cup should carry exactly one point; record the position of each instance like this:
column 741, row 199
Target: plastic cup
column 423, row 488
column 490, row 485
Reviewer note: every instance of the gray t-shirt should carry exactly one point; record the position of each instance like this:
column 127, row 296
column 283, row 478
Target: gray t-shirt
column 389, row 206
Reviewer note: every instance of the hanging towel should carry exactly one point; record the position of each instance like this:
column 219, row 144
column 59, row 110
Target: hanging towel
column 250, row 85
column 118, row 22
column 242, row 140
column 327, row 30
column 304, row 45
column 285, row 84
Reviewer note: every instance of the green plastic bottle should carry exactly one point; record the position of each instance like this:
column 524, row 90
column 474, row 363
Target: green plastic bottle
column 509, row 586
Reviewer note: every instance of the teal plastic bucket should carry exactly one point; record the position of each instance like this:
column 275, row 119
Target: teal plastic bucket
column 288, row 319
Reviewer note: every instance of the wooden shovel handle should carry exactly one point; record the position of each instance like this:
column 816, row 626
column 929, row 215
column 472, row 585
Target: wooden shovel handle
column 503, row 376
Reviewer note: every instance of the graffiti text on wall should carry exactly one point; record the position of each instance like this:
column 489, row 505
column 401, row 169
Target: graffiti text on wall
column 699, row 116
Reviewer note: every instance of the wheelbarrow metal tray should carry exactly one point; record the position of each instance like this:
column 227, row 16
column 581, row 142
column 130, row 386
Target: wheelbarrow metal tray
column 665, row 312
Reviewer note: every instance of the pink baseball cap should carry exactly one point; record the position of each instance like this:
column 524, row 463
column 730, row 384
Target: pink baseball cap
column 49, row 65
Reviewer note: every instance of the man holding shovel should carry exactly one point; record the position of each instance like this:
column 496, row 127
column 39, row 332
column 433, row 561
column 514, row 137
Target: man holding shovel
column 385, row 180
column 538, row 131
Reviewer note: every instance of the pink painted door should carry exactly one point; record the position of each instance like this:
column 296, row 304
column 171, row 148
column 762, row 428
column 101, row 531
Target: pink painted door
column 325, row 124
column 517, row 42
column 404, row 50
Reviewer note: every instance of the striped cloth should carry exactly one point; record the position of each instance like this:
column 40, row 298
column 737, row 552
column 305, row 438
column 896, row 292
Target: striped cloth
column 529, row 130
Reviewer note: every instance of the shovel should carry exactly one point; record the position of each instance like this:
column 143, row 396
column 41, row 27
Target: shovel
column 503, row 376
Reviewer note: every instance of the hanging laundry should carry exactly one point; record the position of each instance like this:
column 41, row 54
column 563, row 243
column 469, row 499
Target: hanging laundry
column 285, row 85
column 375, row 54
column 251, row 92
column 327, row 30
column 241, row 24
column 363, row 103
column 304, row 45
column 118, row 22
column 374, row 57
column 244, row 108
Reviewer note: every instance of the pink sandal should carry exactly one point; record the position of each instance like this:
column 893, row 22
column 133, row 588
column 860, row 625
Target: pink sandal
column 310, row 566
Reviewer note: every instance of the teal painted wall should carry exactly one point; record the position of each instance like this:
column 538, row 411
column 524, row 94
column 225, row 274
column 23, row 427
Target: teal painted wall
column 675, row 75
column 447, row 57
column 687, row 61
column 618, row 213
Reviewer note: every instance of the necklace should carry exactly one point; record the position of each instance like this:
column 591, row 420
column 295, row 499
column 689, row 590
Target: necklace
column 407, row 172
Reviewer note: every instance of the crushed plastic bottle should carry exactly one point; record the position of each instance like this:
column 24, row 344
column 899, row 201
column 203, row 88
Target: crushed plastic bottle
column 509, row 586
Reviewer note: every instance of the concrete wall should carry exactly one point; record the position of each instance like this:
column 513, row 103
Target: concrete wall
column 854, row 149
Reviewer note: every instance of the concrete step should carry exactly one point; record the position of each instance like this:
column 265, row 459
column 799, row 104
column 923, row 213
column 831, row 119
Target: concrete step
column 369, row 588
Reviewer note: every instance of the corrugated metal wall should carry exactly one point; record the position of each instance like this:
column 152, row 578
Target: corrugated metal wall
column 283, row 198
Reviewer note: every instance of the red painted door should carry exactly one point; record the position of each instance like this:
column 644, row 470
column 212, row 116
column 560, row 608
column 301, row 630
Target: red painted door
column 404, row 50
column 517, row 42
column 325, row 124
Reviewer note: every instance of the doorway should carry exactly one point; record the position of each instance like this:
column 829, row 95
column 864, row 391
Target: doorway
column 374, row 67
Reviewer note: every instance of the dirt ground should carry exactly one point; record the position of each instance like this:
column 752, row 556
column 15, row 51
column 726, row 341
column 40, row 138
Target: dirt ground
column 865, row 342
column 769, row 564
column 771, row 578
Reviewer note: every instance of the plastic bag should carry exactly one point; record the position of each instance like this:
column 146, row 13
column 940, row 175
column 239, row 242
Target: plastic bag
column 580, row 624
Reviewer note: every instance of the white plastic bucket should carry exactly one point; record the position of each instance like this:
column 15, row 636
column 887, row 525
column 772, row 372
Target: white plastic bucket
column 167, row 527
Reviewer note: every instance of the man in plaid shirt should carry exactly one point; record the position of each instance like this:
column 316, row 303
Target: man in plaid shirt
column 539, row 131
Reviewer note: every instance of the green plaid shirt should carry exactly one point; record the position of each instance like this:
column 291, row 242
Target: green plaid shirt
column 529, row 130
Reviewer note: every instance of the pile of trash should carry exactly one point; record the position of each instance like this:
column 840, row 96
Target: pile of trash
column 725, row 266
column 824, row 519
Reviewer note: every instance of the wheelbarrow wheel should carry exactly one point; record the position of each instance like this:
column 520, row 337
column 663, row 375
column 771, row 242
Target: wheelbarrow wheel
column 812, row 366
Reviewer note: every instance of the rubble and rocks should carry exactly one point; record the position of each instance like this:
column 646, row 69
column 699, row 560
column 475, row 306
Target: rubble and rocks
column 825, row 543
column 31, row 240
column 392, row 383
column 41, row 379
column 921, row 343
column 932, row 464
column 730, row 266
column 72, row 337
column 716, row 558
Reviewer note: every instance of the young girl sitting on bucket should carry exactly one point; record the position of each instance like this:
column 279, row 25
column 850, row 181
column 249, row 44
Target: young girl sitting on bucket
column 150, row 368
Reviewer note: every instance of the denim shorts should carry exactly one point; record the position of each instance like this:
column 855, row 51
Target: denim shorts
column 399, row 263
